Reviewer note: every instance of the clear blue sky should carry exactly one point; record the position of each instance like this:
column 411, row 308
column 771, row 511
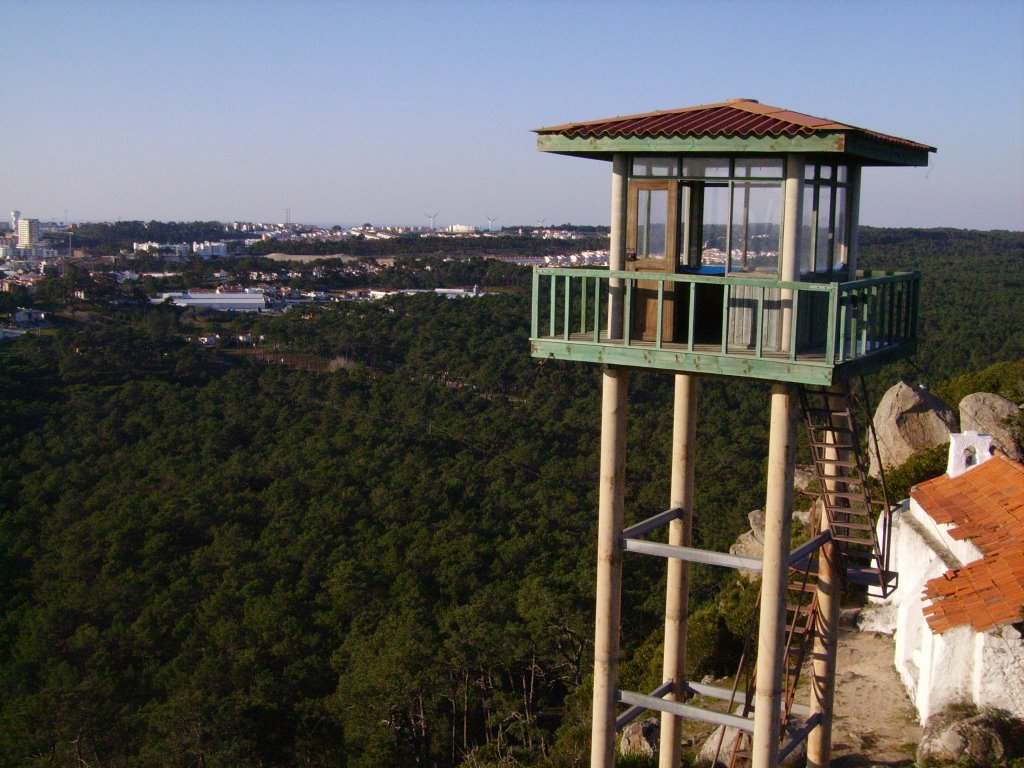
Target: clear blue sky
column 385, row 111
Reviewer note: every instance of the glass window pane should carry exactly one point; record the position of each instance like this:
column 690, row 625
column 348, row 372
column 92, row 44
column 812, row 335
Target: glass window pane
column 704, row 167
column 841, row 173
column 822, row 241
column 652, row 217
column 809, row 171
column 654, row 166
column 756, row 224
column 806, row 228
column 841, row 226
column 759, row 167
column 826, row 171
column 716, row 217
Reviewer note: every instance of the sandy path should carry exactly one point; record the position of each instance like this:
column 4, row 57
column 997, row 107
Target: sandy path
column 875, row 723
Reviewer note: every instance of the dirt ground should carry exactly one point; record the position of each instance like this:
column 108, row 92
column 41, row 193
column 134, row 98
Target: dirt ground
column 875, row 722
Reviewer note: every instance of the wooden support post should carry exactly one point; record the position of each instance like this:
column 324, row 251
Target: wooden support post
column 617, row 245
column 778, row 511
column 853, row 246
column 790, row 252
column 826, row 637
column 680, row 532
column 609, row 566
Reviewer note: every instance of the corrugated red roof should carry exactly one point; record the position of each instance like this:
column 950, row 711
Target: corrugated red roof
column 986, row 505
column 736, row 117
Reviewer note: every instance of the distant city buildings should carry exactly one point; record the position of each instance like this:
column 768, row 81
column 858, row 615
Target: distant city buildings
column 208, row 250
column 25, row 242
column 175, row 250
column 28, row 232
column 230, row 301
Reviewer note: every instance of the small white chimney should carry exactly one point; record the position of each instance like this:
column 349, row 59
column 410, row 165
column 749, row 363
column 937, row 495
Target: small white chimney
column 966, row 451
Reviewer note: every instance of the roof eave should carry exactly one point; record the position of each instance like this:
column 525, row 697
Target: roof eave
column 867, row 150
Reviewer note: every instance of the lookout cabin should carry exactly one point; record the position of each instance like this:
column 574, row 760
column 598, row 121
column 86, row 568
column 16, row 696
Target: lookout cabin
column 734, row 248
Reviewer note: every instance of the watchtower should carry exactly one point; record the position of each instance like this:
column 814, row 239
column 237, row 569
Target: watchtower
column 734, row 253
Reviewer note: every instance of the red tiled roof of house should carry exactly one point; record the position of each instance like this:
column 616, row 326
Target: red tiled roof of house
column 985, row 505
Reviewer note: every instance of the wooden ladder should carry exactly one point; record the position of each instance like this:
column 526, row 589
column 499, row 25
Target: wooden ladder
column 842, row 476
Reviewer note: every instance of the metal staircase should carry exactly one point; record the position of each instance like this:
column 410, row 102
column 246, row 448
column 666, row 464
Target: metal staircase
column 801, row 617
column 849, row 510
column 842, row 476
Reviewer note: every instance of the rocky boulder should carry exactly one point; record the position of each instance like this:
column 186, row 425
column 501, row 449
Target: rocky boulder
column 641, row 737
column 955, row 737
column 718, row 748
column 751, row 543
column 909, row 419
column 991, row 414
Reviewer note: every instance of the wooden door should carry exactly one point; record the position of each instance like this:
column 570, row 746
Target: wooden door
column 652, row 246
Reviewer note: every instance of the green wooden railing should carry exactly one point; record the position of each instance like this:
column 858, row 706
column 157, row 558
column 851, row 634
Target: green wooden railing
column 831, row 323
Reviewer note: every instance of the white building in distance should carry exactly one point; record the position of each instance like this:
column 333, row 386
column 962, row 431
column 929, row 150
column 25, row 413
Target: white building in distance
column 207, row 250
column 28, row 232
column 230, row 301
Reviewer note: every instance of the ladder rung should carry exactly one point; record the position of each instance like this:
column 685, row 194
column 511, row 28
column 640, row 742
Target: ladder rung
column 824, row 444
column 855, row 511
column 827, row 410
column 845, row 494
column 833, row 428
column 855, row 554
column 858, row 478
column 810, row 586
column 852, row 540
column 853, row 526
column 836, row 462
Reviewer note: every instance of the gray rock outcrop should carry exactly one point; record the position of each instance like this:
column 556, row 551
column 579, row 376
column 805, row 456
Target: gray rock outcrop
column 909, row 419
column 719, row 746
column 955, row 738
column 751, row 543
column 641, row 737
column 990, row 414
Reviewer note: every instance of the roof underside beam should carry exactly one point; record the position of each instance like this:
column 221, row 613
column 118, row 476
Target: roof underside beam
column 866, row 150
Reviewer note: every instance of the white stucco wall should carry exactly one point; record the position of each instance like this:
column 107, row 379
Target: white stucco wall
column 959, row 665
column 999, row 670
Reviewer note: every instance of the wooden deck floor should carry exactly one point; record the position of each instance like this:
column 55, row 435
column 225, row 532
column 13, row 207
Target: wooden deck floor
column 811, row 355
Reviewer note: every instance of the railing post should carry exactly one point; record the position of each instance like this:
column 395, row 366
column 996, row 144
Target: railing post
column 692, row 312
column 566, row 322
column 535, row 306
column 583, row 304
column 725, row 319
column 660, row 314
column 830, row 330
column 627, row 325
column 553, row 303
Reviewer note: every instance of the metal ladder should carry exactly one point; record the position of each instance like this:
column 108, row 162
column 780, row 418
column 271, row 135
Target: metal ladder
column 801, row 620
column 842, row 475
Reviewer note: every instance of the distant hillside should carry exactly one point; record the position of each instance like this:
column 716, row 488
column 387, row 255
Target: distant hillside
column 972, row 293
column 209, row 560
